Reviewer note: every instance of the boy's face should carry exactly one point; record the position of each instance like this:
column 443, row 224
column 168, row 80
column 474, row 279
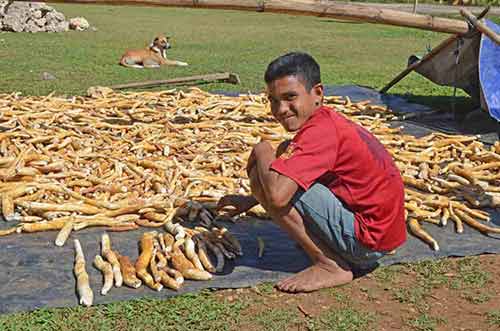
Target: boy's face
column 291, row 103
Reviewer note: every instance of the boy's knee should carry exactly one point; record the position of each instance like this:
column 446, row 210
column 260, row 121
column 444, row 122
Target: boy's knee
column 256, row 186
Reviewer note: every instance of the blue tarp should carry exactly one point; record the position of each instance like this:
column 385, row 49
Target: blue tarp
column 489, row 71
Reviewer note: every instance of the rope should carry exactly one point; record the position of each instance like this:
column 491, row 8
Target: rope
column 456, row 52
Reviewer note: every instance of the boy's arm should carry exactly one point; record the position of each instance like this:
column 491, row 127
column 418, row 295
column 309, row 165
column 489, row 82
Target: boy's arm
column 278, row 189
column 238, row 203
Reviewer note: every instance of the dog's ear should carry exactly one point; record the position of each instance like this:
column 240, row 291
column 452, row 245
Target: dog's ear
column 152, row 43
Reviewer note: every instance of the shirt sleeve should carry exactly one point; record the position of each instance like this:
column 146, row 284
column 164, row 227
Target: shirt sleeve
column 311, row 154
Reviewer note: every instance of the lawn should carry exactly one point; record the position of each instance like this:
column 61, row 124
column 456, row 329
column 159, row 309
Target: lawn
column 439, row 295
column 448, row 294
column 210, row 41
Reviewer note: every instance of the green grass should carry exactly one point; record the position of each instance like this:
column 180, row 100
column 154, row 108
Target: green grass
column 388, row 274
column 187, row 312
column 476, row 298
column 415, row 295
column 339, row 295
column 470, row 279
column 266, row 288
column 470, row 275
column 493, row 318
column 431, row 273
column 345, row 319
column 276, row 319
column 425, row 322
column 212, row 41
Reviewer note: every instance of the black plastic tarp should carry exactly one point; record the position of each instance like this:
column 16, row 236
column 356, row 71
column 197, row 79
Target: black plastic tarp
column 34, row 273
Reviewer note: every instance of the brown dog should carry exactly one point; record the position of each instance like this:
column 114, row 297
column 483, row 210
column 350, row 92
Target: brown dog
column 152, row 57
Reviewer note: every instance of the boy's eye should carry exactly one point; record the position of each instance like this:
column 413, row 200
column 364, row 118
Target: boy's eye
column 272, row 100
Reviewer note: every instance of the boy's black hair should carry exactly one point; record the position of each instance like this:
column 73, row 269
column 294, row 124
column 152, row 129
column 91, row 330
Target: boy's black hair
column 301, row 65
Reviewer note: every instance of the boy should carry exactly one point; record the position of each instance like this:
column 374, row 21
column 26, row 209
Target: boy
column 334, row 188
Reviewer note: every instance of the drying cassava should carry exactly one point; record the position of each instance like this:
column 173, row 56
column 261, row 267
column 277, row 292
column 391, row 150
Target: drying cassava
column 82, row 278
column 107, row 271
column 128, row 272
column 124, row 160
column 144, row 259
column 112, row 258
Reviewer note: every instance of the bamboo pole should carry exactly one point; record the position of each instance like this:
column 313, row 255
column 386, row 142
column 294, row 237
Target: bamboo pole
column 225, row 77
column 363, row 13
column 417, row 64
column 483, row 28
column 427, row 57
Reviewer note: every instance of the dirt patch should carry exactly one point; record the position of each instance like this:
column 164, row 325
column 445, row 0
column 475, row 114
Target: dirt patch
column 449, row 294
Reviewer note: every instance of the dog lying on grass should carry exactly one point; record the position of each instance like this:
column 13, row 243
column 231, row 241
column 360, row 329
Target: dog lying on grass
column 152, row 57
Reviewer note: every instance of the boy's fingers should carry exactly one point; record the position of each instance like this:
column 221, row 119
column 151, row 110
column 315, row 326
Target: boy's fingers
column 233, row 213
column 222, row 203
column 225, row 201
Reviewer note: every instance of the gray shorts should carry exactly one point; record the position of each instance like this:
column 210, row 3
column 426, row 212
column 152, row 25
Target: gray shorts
column 329, row 220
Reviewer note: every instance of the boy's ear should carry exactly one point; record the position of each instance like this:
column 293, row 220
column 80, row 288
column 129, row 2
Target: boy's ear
column 317, row 91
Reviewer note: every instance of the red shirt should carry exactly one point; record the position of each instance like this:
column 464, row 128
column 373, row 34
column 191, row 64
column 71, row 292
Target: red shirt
column 357, row 168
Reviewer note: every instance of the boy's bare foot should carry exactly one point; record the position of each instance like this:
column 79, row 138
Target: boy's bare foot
column 319, row 275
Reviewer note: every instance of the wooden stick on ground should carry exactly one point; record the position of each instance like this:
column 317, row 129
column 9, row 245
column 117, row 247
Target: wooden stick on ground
column 226, row 77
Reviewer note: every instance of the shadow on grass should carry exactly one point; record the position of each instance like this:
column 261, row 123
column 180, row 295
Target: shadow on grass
column 342, row 21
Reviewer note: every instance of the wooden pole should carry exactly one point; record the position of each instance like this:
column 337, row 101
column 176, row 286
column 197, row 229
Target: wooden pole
column 363, row 13
column 225, row 77
column 480, row 25
column 427, row 57
column 417, row 64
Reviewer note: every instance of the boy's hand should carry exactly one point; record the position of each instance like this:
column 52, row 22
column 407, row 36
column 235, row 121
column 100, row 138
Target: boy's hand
column 238, row 203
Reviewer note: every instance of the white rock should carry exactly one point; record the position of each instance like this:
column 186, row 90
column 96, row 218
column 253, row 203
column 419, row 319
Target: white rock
column 41, row 6
column 79, row 24
column 54, row 16
column 31, row 27
column 35, row 17
column 48, row 76
column 50, row 27
column 2, row 6
column 40, row 22
column 36, row 14
column 13, row 23
column 62, row 26
column 19, row 6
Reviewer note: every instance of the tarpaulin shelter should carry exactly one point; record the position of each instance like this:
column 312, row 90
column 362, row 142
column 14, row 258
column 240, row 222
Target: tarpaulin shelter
column 470, row 62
